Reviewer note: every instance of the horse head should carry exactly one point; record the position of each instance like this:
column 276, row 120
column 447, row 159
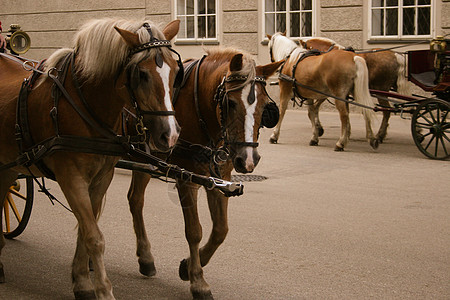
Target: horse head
column 150, row 75
column 280, row 46
column 246, row 101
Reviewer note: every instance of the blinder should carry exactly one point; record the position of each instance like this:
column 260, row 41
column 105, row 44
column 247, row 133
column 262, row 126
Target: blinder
column 270, row 115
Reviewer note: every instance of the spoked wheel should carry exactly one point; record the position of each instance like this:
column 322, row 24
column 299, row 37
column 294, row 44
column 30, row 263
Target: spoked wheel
column 430, row 126
column 17, row 207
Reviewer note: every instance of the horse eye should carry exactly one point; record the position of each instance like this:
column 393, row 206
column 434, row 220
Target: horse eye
column 231, row 104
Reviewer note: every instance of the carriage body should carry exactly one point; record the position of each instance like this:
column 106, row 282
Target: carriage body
column 430, row 69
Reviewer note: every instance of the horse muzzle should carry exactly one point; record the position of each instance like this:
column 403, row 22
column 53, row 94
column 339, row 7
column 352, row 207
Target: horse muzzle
column 246, row 159
column 164, row 132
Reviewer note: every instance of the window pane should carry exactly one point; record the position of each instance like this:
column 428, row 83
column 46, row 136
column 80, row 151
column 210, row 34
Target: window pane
column 377, row 3
column 281, row 5
column 392, row 21
column 391, row 2
column 190, row 27
column 211, row 26
column 201, row 7
column 377, row 22
column 307, row 4
column 182, row 32
column 281, row 22
column 408, row 2
column 295, row 24
column 212, row 7
column 270, row 23
column 306, row 24
column 408, row 21
column 423, row 21
column 424, row 2
column 201, row 26
column 270, row 5
column 190, row 7
column 295, row 5
column 180, row 7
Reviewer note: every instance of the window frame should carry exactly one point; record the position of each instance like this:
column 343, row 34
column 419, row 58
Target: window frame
column 400, row 36
column 288, row 19
column 196, row 15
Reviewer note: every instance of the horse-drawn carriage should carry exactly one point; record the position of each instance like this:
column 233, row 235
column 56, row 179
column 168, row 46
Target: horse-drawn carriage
column 384, row 69
column 241, row 91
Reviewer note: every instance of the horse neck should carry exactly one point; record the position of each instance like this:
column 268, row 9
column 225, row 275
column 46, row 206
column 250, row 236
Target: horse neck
column 101, row 98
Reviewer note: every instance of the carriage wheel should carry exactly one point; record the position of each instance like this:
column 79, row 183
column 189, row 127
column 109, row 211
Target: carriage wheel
column 430, row 126
column 17, row 207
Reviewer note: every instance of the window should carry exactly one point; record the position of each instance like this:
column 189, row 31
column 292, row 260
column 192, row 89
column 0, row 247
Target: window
column 293, row 16
column 401, row 18
column 198, row 19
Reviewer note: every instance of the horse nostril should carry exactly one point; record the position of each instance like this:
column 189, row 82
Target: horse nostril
column 256, row 158
column 239, row 162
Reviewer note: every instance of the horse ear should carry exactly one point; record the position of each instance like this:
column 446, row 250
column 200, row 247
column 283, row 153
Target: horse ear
column 283, row 33
column 269, row 36
column 236, row 63
column 303, row 43
column 132, row 39
column 171, row 29
column 268, row 70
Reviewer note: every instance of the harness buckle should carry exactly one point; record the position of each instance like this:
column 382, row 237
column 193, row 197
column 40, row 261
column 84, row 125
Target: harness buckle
column 141, row 129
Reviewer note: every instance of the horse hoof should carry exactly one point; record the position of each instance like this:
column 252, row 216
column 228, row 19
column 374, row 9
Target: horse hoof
column 273, row 141
column 313, row 143
column 374, row 143
column 183, row 270
column 147, row 269
column 321, row 131
column 338, row 149
column 85, row 295
column 202, row 296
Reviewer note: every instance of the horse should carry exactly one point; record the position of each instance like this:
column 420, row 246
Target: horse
column 386, row 72
column 220, row 109
column 73, row 117
column 337, row 73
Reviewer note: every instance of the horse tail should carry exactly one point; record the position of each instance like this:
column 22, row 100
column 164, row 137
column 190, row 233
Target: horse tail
column 402, row 83
column 361, row 88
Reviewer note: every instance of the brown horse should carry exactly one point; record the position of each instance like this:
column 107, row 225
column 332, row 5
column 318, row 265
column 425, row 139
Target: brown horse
column 386, row 71
column 79, row 98
column 220, row 110
column 337, row 73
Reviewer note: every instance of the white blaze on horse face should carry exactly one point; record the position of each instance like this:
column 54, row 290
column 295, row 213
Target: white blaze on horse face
column 164, row 72
column 248, row 124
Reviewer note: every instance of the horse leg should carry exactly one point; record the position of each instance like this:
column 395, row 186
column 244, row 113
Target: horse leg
column 7, row 180
column 313, row 115
column 193, row 230
column 382, row 132
column 343, row 114
column 90, row 241
column 139, row 182
column 218, row 208
column 285, row 96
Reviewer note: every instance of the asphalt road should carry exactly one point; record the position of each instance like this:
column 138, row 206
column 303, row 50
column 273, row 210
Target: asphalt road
column 356, row 224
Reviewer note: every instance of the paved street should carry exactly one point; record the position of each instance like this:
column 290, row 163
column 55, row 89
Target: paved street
column 356, row 224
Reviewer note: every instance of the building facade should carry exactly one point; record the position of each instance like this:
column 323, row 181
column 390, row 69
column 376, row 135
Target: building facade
column 242, row 24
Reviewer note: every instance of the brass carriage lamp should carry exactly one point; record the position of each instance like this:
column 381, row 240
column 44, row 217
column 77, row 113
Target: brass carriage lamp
column 439, row 44
column 17, row 41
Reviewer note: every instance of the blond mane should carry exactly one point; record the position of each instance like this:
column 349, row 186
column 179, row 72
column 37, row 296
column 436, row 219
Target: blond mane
column 100, row 50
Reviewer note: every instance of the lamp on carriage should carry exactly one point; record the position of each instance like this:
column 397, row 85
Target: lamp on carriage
column 438, row 44
column 17, row 41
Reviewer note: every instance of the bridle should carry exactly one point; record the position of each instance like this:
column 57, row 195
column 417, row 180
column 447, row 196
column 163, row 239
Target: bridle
column 133, row 77
column 221, row 98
